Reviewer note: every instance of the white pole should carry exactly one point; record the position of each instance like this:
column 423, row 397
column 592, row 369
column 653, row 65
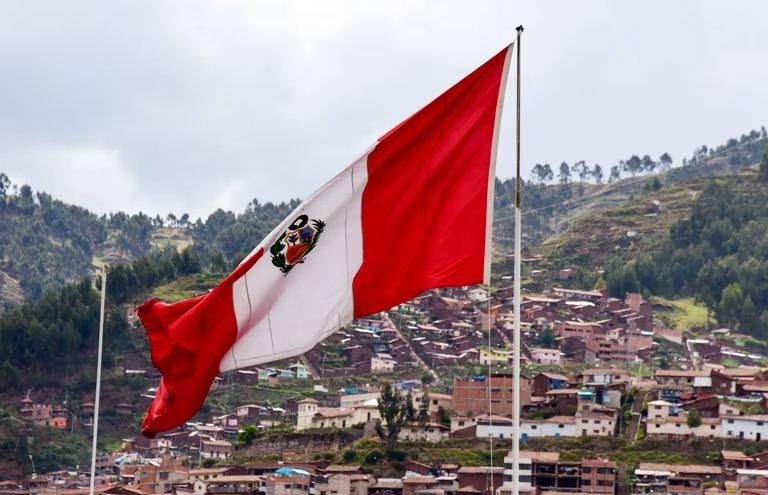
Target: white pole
column 98, row 379
column 488, row 250
column 517, row 295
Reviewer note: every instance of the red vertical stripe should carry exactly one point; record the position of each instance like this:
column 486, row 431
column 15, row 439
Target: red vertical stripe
column 187, row 341
column 425, row 204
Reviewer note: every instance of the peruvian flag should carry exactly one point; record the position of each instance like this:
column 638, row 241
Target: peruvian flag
column 413, row 213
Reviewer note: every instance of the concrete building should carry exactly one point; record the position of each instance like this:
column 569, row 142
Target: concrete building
column 546, row 356
column 382, row 364
column 748, row 427
column 310, row 415
column 429, row 432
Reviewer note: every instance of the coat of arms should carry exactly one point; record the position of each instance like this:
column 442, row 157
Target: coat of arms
column 295, row 243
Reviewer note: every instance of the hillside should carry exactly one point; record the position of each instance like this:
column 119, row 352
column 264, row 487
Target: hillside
column 622, row 235
column 580, row 225
column 46, row 243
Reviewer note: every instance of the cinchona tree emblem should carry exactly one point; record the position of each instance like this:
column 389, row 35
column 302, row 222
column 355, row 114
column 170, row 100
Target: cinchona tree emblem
column 295, row 243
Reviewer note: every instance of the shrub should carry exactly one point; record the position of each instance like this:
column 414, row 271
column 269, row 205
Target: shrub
column 373, row 457
column 349, row 456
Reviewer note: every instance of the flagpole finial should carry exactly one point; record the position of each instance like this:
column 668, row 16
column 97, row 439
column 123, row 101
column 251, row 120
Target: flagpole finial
column 519, row 28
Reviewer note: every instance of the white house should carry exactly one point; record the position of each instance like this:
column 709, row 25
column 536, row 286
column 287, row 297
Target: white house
column 748, row 427
column 310, row 415
column 477, row 294
column 674, row 427
column 546, row 356
column 382, row 364
column 501, row 427
column 593, row 423
column 554, row 427
column 498, row 426
column 599, row 376
column 661, row 409
column 216, row 449
column 431, row 432
column 461, row 422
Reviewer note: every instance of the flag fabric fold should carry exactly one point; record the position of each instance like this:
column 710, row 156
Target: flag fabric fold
column 412, row 213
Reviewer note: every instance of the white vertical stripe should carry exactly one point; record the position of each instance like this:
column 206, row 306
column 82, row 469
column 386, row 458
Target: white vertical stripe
column 492, row 169
column 282, row 315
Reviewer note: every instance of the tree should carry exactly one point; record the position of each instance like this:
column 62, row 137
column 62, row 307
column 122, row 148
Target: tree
column 731, row 303
column 565, row 173
column 694, row 418
column 764, row 166
column 580, row 168
column 547, row 338
column 597, row 173
column 615, row 174
column 393, row 411
column 443, row 416
column 665, row 160
column 427, row 377
column 538, row 173
column 648, row 164
column 634, row 165
column 410, row 408
column 248, row 434
column 5, row 183
column 548, row 173
column 423, row 416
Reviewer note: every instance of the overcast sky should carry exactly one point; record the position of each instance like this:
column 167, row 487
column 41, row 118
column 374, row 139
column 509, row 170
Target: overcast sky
column 188, row 106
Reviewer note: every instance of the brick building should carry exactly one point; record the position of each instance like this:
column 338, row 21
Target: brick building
column 471, row 394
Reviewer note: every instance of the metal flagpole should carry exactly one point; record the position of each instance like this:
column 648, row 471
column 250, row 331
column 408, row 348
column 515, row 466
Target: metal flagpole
column 488, row 250
column 516, row 288
column 98, row 379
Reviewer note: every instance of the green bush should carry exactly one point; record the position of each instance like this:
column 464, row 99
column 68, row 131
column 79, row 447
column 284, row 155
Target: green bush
column 349, row 455
column 394, row 454
column 373, row 456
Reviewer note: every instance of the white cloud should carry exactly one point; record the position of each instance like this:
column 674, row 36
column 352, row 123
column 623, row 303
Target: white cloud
column 95, row 175
column 212, row 104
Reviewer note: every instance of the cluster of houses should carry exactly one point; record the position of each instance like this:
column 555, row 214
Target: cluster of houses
column 450, row 327
column 58, row 416
column 540, row 473
column 710, row 403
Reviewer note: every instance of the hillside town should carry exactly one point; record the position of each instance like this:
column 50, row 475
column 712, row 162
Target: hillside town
column 591, row 370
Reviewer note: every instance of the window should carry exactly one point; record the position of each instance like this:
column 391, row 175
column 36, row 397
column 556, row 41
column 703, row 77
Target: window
column 730, row 421
column 526, row 478
column 759, row 423
column 658, row 425
column 712, row 427
column 163, row 475
column 677, row 425
column 585, row 421
column 561, row 426
column 534, row 427
column 586, row 482
column 434, row 402
column 586, row 469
